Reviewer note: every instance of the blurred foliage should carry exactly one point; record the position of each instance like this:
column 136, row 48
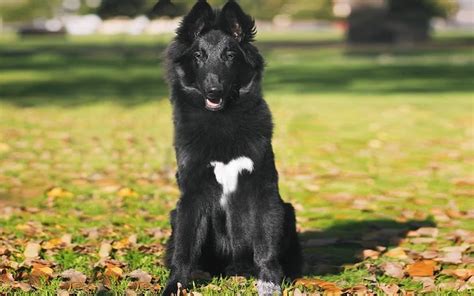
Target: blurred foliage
column 440, row 8
column 27, row 10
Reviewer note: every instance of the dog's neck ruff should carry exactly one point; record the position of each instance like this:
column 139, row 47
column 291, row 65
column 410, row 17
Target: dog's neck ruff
column 228, row 174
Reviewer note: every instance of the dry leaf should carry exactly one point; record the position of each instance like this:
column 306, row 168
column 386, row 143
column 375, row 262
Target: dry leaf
column 451, row 258
column 462, row 273
column 32, row 250
column 428, row 283
column 421, row 268
column 58, row 192
column 397, row 253
column 105, row 249
column 58, row 243
column 428, row 231
column 393, row 269
column 370, row 254
column 127, row 192
column 390, row 289
column 72, row 279
column 140, row 280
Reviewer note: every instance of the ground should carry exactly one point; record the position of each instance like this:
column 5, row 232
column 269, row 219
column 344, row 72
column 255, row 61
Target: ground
column 374, row 146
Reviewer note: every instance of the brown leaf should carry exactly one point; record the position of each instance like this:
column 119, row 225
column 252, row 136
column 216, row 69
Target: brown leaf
column 328, row 287
column 6, row 277
column 40, row 273
column 397, row 253
column 393, row 269
column 421, row 268
column 125, row 243
column 140, row 280
column 428, row 231
column 72, row 279
column 429, row 254
column 451, row 258
column 113, row 271
column 428, row 283
column 58, row 243
column 462, row 273
column 390, row 289
column 372, row 254
column 105, row 248
column 32, row 250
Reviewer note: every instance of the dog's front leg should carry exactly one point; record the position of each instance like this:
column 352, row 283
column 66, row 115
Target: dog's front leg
column 189, row 235
column 270, row 272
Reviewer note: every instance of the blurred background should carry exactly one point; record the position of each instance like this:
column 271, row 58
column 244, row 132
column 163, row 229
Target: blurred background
column 362, row 20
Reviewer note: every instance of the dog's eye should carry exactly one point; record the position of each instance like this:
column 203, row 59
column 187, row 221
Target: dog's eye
column 230, row 55
column 197, row 54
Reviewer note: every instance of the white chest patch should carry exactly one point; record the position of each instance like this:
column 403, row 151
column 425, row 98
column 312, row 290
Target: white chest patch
column 228, row 174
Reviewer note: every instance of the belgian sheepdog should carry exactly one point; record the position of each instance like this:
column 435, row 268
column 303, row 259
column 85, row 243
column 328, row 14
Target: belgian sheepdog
column 230, row 218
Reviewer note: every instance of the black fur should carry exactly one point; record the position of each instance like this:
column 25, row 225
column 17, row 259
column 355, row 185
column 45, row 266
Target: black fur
column 212, row 58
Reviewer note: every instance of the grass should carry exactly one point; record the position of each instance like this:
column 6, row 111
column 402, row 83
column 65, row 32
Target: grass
column 366, row 139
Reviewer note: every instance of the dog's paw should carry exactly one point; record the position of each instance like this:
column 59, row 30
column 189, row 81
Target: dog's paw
column 268, row 288
column 172, row 289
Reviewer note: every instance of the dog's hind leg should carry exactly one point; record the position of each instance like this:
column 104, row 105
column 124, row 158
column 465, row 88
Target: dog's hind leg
column 189, row 234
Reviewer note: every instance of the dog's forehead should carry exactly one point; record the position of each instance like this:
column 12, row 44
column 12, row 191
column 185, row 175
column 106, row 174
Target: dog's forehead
column 214, row 39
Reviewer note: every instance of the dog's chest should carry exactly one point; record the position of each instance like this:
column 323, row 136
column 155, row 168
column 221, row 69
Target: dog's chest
column 227, row 175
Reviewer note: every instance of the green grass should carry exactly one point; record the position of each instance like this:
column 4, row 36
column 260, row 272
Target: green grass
column 366, row 139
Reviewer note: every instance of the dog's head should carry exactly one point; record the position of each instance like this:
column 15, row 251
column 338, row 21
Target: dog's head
column 212, row 57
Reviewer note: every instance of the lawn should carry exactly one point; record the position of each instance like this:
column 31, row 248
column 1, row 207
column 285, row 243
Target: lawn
column 374, row 146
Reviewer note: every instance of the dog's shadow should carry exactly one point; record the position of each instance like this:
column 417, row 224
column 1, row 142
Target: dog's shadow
column 329, row 250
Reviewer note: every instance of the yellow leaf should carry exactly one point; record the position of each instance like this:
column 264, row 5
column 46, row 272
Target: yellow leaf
column 397, row 253
column 127, row 192
column 58, row 192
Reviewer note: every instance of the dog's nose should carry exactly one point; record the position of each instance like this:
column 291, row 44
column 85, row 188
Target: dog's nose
column 214, row 92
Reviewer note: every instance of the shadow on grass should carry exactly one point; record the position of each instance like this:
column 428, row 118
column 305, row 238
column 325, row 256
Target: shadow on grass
column 327, row 251
column 68, row 74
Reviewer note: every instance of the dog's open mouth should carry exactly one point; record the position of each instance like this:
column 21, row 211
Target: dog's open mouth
column 214, row 104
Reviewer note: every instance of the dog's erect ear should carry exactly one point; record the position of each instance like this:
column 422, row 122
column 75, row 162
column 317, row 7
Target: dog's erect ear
column 236, row 23
column 198, row 20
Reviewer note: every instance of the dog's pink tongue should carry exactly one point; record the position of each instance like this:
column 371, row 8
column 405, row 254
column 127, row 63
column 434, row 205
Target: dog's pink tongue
column 213, row 103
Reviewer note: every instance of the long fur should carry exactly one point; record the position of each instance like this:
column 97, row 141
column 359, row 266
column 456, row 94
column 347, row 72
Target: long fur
column 254, row 232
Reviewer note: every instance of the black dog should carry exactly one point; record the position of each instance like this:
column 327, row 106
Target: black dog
column 230, row 218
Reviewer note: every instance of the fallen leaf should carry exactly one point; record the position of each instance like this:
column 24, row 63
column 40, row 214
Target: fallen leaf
column 429, row 254
column 428, row 231
column 113, row 271
column 397, row 253
column 127, row 192
column 105, row 248
column 32, row 250
column 372, row 254
column 58, row 192
column 428, row 283
column 451, row 258
column 421, row 268
column 390, row 289
column 40, row 273
column 393, row 269
column 6, row 277
column 58, row 243
column 461, row 273
column 72, row 279
column 140, row 280
column 125, row 243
